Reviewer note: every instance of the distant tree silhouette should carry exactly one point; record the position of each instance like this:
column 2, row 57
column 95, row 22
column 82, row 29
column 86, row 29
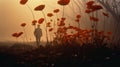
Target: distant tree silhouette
column 112, row 6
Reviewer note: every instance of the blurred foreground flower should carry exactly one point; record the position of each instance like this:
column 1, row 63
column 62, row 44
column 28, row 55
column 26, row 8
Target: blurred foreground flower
column 41, row 20
column 49, row 14
column 90, row 3
column 56, row 10
column 23, row 2
column 50, row 29
column 19, row 34
column 14, row 34
column 23, row 24
column 48, row 24
column 63, row 2
column 105, row 14
column 34, row 22
column 39, row 8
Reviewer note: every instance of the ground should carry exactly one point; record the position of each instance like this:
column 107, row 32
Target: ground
column 59, row 56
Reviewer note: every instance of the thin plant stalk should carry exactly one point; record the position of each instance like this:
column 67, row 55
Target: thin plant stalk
column 16, row 39
column 104, row 24
column 31, row 11
column 33, row 16
column 45, row 27
column 25, row 35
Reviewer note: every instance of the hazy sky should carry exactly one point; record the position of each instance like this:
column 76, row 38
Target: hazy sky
column 12, row 14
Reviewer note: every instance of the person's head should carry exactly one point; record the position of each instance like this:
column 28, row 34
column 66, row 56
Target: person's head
column 38, row 26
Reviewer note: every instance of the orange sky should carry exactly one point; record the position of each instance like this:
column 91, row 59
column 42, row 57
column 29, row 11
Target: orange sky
column 12, row 14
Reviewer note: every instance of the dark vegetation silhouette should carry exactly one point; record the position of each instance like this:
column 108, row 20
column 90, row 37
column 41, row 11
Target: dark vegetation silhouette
column 82, row 48
column 72, row 55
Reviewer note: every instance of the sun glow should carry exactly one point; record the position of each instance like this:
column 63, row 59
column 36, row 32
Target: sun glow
column 13, row 14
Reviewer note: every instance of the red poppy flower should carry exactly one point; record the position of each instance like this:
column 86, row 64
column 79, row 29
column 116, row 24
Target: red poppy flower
column 61, row 23
column 105, row 14
column 56, row 10
column 90, row 3
column 48, row 24
column 101, row 33
column 23, row 24
column 63, row 19
column 76, row 29
column 49, row 14
column 63, row 2
column 109, row 33
column 78, row 16
column 70, row 27
column 91, row 30
column 94, row 19
column 14, row 34
column 23, row 2
column 65, row 28
column 19, row 34
column 96, row 7
column 50, row 29
column 77, row 20
column 88, row 11
column 34, row 22
column 89, row 7
column 91, row 18
column 39, row 8
column 41, row 20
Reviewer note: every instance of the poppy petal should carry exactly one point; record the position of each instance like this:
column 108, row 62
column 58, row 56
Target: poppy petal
column 23, row 2
column 39, row 8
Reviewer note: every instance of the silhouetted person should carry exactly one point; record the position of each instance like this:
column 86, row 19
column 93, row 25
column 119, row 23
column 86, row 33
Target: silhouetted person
column 38, row 34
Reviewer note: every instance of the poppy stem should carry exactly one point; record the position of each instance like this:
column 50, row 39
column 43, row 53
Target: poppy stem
column 63, row 11
column 77, row 5
column 31, row 11
column 25, row 35
column 72, row 6
column 96, row 29
column 104, row 24
column 16, row 40
column 92, row 26
column 54, row 26
column 45, row 26
column 22, row 39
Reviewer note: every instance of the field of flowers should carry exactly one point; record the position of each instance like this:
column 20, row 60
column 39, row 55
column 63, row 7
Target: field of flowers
column 58, row 30
column 80, row 47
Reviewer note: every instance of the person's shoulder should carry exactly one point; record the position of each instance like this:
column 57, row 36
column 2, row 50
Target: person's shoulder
column 35, row 28
column 40, row 29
